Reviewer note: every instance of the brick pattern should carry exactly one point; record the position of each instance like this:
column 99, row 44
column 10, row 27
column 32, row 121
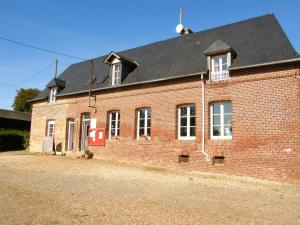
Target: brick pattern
column 266, row 123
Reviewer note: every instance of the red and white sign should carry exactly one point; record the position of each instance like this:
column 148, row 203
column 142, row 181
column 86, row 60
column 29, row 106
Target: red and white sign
column 96, row 136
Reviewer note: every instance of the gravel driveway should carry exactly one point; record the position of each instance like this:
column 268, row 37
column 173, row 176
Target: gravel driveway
column 60, row 190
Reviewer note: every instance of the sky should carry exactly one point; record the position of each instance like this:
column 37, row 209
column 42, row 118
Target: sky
column 88, row 29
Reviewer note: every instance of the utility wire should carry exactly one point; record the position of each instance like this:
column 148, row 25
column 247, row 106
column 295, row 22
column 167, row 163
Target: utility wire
column 41, row 49
column 28, row 78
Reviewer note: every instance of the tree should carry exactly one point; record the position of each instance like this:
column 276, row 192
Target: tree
column 23, row 95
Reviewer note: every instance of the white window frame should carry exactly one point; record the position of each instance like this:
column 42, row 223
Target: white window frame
column 117, row 122
column 221, row 74
column 188, row 125
column 49, row 124
column 53, row 92
column 146, row 125
column 116, row 74
column 222, row 136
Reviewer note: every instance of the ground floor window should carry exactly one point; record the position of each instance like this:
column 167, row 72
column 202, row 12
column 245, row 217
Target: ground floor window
column 114, row 124
column 186, row 122
column 144, row 123
column 50, row 128
column 221, row 120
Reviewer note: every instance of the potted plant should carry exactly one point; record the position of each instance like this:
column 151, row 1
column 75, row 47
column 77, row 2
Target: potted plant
column 88, row 154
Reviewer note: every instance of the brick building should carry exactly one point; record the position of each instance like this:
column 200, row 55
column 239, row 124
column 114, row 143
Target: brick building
column 222, row 100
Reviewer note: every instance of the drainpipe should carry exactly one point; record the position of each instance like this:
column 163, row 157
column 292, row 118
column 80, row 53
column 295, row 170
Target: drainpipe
column 203, row 119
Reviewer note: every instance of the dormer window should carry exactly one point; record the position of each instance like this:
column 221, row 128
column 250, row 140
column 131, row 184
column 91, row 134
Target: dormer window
column 120, row 66
column 53, row 92
column 116, row 74
column 219, row 67
column 219, row 57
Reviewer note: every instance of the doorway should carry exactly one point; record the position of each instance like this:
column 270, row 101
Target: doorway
column 85, row 126
column 70, row 134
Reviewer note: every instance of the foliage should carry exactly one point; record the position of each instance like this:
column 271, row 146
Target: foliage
column 13, row 139
column 23, row 95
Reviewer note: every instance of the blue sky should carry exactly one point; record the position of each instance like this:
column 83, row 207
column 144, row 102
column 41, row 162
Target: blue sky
column 93, row 28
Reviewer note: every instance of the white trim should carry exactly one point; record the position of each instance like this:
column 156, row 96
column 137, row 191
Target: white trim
column 49, row 123
column 116, row 124
column 220, row 74
column 188, row 125
column 70, row 122
column 53, row 93
column 116, row 75
column 146, row 125
column 222, row 136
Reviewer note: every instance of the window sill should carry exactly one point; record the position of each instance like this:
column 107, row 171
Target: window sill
column 186, row 138
column 221, row 138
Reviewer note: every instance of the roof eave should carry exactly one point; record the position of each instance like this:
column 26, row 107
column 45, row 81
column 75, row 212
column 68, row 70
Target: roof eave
column 265, row 64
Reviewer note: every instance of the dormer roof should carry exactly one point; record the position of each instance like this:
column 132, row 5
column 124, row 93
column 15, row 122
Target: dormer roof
column 56, row 83
column 217, row 47
column 111, row 56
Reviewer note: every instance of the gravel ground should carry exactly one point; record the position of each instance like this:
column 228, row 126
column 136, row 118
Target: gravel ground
column 60, row 190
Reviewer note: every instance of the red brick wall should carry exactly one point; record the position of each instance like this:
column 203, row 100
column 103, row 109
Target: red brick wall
column 266, row 123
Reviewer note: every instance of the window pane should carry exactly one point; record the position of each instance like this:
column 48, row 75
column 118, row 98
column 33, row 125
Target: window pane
column 142, row 113
column 149, row 113
column 183, row 131
column 149, row 123
column 113, row 116
column 192, row 131
column 216, row 108
column 142, row 123
column 183, row 111
column 216, row 130
column 149, row 131
column 193, row 121
column 227, row 130
column 118, row 132
column 183, row 121
column 192, row 111
column 227, row 119
column 141, row 131
column 227, row 107
column 217, row 120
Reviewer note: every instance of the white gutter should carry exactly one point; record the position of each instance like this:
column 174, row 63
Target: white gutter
column 203, row 120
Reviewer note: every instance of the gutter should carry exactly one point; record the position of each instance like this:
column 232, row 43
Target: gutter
column 265, row 64
column 207, row 158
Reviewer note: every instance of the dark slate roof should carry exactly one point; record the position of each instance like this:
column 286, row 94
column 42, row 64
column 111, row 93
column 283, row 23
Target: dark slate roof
column 255, row 41
column 217, row 46
column 9, row 114
column 56, row 83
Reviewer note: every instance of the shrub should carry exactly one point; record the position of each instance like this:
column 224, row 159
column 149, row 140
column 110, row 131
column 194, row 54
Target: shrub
column 13, row 139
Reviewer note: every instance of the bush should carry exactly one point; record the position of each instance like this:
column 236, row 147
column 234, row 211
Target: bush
column 13, row 139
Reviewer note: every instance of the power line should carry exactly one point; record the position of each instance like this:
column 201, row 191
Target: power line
column 41, row 49
column 28, row 78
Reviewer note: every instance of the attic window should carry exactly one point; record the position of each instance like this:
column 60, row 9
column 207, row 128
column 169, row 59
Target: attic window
column 116, row 71
column 53, row 92
column 219, row 67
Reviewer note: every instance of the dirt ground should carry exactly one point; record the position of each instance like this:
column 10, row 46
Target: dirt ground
column 60, row 190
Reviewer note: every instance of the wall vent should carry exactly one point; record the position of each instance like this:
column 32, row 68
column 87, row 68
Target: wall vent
column 183, row 158
column 219, row 160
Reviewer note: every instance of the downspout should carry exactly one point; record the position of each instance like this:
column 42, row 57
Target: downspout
column 203, row 120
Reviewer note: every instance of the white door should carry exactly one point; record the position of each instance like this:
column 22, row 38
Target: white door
column 70, row 134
